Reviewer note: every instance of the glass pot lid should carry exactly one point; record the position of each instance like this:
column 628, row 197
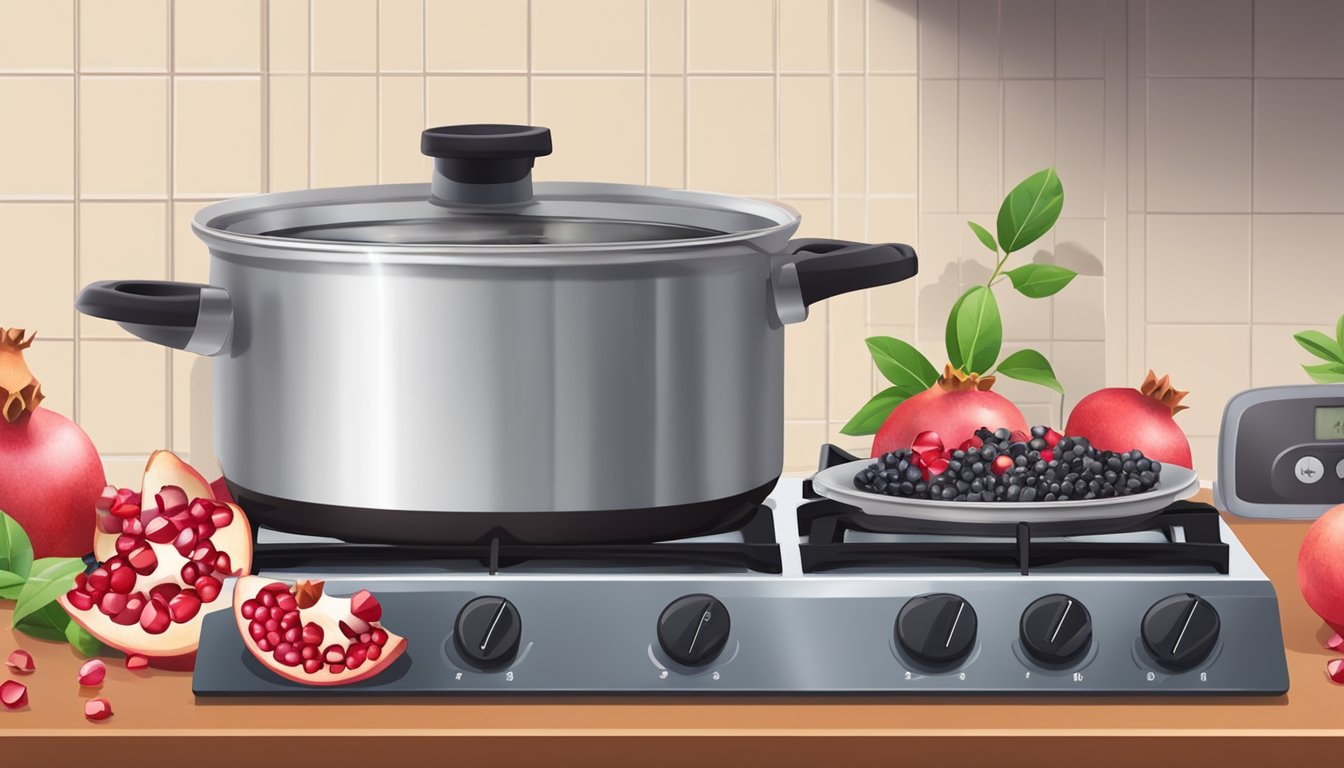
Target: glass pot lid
column 481, row 196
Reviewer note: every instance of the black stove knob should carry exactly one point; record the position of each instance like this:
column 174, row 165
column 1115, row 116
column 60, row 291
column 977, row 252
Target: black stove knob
column 1056, row 629
column 1180, row 631
column 936, row 629
column 488, row 631
column 693, row 630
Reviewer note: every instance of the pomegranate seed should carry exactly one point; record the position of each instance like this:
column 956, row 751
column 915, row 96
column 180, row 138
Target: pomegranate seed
column 291, row 658
column 267, row 599
column 272, row 625
column 184, row 605
column 156, row 617
column 286, row 602
column 134, row 605
column 21, row 662
column 1335, row 669
column 261, row 613
column 276, row 586
column 336, row 669
column 185, row 541
column 204, row 529
column 347, row 631
column 126, row 496
column 273, row 638
column 106, row 499
column 379, row 636
column 99, row 579
column 1335, row 643
column 1001, row 464
column 81, row 579
column 222, row 515
column 107, row 523
column 283, row 648
column 125, row 543
column 133, row 526
column 143, row 560
column 166, row 591
column 310, row 652
column 935, row 467
column 365, row 637
column 289, row 621
column 13, row 695
column 189, row 573
column 203, row 553
column 160, row 530
column 926, row 441
column 120, row 577
column 208, row 588
column 97, row 709
column 333, row 654
column 80, row 600
column 257, row 631
column 126, row 511
column 92, row 672
column 223, row 564
column 292, row 634
column 312, row 634
column 136, row 661
column 1047, row 455
column 170, row 500
column 249, row 609
column 112, row 604
column 374, row 652
column 1052, row 438
column 356, row 658
column 264, row 645
column 312, row 665
column 201, row 508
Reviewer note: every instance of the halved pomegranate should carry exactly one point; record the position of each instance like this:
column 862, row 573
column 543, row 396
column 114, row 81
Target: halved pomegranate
column 164, row 554
column 310, row 637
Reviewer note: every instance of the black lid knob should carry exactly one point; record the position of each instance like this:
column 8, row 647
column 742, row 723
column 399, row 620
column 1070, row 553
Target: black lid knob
column 693, row 630
column 936, row 629
column 488, row 631
column 1056, row 629
column 1180, row 631
column 486, row 153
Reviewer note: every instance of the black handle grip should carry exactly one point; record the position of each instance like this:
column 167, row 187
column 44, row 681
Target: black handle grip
column 485, row 153
column 842, row 266
column 156, row 310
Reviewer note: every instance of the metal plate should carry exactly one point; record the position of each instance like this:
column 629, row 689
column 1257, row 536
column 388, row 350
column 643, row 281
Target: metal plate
column 837, row 483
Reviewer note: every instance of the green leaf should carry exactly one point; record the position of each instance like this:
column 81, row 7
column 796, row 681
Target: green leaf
column 48, row 623
column 1030, row 210
column 1030, row 366
column 1320, row 345
column 984, row 236
column 975, row 331
column 870, row 417
column 1325, row 373
column 82, row 641
column 1037, row 281
column 1339, row 331
column 50, row 578
column 10, row 585
column 16, row 553
column 902, row 364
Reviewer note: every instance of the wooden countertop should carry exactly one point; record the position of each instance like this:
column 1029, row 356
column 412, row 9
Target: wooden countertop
column 158, row 721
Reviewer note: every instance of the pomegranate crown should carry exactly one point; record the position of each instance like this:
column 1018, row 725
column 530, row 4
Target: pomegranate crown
column 953, row 380
column 1163, row 392
column 307, row 593
column 20, row 392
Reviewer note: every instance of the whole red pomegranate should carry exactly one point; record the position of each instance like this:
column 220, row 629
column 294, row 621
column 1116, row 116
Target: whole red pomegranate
column 1122, row 419
column 50, row 473
column 1320, row 568
column 954, row 407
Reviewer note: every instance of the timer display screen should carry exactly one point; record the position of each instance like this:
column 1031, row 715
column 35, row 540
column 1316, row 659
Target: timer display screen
column 1330, row 423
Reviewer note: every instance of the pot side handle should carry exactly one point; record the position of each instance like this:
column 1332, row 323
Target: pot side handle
column 189, row 316
column 829, row 268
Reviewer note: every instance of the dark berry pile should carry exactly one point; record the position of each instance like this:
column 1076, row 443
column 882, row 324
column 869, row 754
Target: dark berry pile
column 994, row 466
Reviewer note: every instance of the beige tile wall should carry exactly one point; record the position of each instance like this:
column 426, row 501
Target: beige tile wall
column 1197, row 142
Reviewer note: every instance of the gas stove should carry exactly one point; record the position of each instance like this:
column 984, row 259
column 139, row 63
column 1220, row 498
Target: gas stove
column 808, row 597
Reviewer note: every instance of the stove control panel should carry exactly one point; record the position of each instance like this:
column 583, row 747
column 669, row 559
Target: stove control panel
column 833, row 633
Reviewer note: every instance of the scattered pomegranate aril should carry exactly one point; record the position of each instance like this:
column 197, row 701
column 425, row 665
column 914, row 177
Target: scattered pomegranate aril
column 1335, row 643
column 1047, row 455
column 13, row 695
column 1052, row 438
column 366, row 606
column 92, row 672
column 1335, row 669
column 1001, row 464
column 136, row 661
column 935, row 467
column 97, row 709
column 20, row 662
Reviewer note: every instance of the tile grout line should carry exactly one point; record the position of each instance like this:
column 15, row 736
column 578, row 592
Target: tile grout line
column 648, row 101
column 377, row 92
column 308, row 87
column 685, row 95
column 833, row 34
column 529, row 61
column 1250, row 246
column 76, row 409
column 169, row 207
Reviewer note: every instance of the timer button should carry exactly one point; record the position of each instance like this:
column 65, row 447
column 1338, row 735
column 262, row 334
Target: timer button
column 1339, row 469
column 1309, row 470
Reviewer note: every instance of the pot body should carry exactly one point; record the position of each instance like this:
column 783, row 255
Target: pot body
column 413, row 386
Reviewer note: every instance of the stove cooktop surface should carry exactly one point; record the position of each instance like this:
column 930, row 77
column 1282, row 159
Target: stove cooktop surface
column 808, row 598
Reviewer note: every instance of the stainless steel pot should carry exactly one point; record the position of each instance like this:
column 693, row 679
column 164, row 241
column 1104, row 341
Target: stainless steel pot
column 484, row 357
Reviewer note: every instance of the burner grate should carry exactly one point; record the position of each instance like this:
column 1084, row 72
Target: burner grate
column 824, row 523
column 758, row 551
